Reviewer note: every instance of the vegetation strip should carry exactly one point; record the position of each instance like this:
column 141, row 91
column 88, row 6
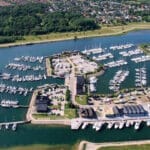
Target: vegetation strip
column 105, row 31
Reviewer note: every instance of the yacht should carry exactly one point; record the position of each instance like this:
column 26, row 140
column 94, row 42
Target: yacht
column 14, row 126
column 94, row 125
column 137, row 125
column 8, row 103
column 127, row 124
column 110, row 125
column 121, row 125
column 148, row 123
column 116, row 125
column 99, row 126
column 84, row 125
column 6, row 126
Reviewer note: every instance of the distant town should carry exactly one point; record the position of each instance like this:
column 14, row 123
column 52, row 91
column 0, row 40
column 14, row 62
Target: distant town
column 104, row 11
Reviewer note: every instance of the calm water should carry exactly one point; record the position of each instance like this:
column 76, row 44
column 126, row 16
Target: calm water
column 34, row 134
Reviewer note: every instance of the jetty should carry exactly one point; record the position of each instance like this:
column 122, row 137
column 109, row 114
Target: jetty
column 16, row 106
column 13, row 124
column 48, row 67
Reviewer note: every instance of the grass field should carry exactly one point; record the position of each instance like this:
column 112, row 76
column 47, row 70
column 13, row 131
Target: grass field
column 104, row 31
column 45, row 116
column 70, row 113
column 131, row 147
column 81, row 99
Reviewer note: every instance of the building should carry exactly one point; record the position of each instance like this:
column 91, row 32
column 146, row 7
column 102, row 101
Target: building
column 80, row 84
column 42, row 108
column 134, row 110
column 42, row 103
column 87, row 113
column 126, row 110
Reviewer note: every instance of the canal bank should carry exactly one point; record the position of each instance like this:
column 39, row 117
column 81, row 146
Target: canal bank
column 55, row 37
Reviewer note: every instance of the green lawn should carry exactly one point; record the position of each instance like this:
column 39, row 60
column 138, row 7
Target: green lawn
column 45, row 116
column 70, row 113
column 131, row 147
column 81, row 99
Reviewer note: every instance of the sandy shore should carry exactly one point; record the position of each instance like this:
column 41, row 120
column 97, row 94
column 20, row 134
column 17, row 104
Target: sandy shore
column 96, row 146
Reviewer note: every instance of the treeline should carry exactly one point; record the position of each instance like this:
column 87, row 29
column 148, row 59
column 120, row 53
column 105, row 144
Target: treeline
column 9, row 39
column 33, row 19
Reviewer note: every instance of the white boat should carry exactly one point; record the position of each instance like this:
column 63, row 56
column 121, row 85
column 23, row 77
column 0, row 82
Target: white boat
column 110, row 125
column 116, row 125
column 6, row 126
column 121, row 125
column 94, row 125
column 84, row 125
column 8, row 103
column 137, row 125
column 99, row 126
column 127, row 124
column 14, row 127
column 148, row 123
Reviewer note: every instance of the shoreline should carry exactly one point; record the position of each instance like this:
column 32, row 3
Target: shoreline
column 96, row 146
column 104, row 31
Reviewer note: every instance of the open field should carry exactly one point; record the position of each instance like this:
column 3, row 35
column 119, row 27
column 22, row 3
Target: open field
column 104, row 31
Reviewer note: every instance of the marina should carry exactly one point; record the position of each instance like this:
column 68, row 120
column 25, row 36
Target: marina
column 141, row 59
column 103, row 57
column 119, row 77
column 88, row 133
column 131, row 52
column 23, row 67
column 121, row 47
column 4, row 88
column 117, row 63
column 93, row 51
column 141, row 77
column 31, row 59
column 97, row 125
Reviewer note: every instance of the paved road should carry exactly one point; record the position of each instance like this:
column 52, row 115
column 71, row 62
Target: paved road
column 73, row 84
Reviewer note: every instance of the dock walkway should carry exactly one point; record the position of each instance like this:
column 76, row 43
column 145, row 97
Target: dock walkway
column 14, row 122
